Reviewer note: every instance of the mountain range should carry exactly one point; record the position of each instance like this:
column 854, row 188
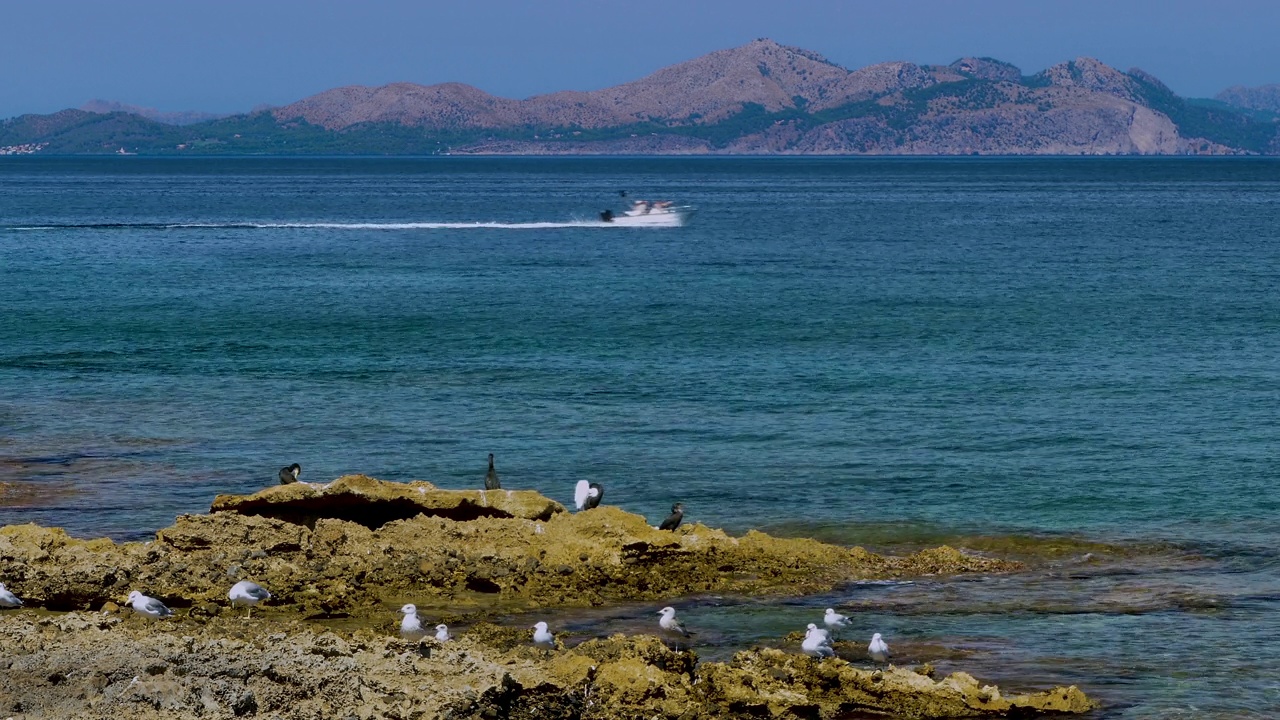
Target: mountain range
column 760, row 98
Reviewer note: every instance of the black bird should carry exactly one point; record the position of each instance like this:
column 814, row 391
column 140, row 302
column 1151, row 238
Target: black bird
column 673, row 520
column 593, row 500
column 491, row 478
column 290, row 474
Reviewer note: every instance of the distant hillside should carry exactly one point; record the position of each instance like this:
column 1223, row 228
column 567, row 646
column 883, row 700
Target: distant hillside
column 160, row 116
column 760, row 98
column 1266, row 97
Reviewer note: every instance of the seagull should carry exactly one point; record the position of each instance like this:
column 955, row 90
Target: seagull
column 147, row 606
column 587, row 495
column 442, row 632
column 248, row 593
column 817, row 643
column 410, row 626
column 670, row 624
column 8, row 599
column 290, row 474
column 834, row 620
column 673, row 520
column 491, row 478
column 878, row 649
column 542, row 637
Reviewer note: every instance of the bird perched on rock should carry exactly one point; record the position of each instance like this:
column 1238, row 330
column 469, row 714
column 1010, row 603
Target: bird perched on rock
column 817, row 643
column 411, row 626
column 8, row 599
column 673, row 520
column 587, row 495
column 834, row 620
column 290, row 474
column 878, row 649
column 442, row 633
column 543, row 637
column 248, row 594
column 670, row 626
column 491, row 478
column 148, row 606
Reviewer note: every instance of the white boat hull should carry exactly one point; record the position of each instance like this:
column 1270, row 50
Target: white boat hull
column 673, row 217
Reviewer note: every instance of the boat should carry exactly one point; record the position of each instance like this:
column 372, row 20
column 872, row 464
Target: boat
column 644, row 213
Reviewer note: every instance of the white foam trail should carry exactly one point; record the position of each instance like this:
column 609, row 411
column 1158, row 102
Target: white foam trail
column 424, row 225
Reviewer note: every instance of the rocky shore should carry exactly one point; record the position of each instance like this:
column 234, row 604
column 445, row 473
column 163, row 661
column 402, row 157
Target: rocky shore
column 339, row 558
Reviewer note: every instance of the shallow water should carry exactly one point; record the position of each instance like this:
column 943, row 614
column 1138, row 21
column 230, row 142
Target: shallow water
column 1033, row 358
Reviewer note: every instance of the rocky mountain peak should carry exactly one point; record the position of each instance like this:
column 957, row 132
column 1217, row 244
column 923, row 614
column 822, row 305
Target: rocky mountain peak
column 1090, row 74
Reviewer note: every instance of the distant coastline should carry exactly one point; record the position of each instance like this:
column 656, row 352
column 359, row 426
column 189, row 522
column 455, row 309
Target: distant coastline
column 758, row 99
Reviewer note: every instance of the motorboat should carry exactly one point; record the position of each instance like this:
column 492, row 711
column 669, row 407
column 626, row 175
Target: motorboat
column 645, row 213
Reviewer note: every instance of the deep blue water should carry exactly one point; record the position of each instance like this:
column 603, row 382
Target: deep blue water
column 889, row 352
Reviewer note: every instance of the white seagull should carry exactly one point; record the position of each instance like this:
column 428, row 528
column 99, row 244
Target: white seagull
column 670, row 624
column 8, row 599
column 148, row 606
column 834, row 620
column 249, row 594
column 587, row 495
column 442, row 632
column 542, row 637
column 878, row 649
column 411, row 626
column 817, row 643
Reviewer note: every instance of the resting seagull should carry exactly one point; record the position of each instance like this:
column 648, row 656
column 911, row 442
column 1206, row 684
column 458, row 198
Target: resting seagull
column 442, row 633
column 587, row 495
column 491, row 478
column 411, row 626
column 543, row 637
column 817, row 643
column 148, row 606
column 8, row 599
column 878, row 649
column 249, row 594
column 290, row 474
column 673, row 520
column 834, row 620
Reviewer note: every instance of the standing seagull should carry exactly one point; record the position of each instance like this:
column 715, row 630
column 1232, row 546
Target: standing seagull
column 8, row 599
column 670, row 625
column 148, row 606
column 543, row 637
column 673, row 520
column 442, row 633
column 878, row 649
column 817, row 643
column 411, row 626
column 248, row 593
column 587, row 495
column 290, row 474
column 834, row 620
column 491, row 478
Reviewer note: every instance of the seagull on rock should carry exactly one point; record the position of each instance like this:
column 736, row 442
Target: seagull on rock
column 248, row 594
column 442, row 633
column 8, row 599
column 670, row 624
column 817, row 643
column 290, row 474
column 587, row 495
column 148, row 606
column 673, row 520
column 878, row 649
column 411, row 626
column 543, row 637
column 491, row 481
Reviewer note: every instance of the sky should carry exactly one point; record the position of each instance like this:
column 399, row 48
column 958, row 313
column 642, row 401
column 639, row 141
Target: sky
column 234, row 55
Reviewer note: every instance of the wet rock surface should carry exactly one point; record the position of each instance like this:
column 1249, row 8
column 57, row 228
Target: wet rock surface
column 323, row 647
column 91, row 665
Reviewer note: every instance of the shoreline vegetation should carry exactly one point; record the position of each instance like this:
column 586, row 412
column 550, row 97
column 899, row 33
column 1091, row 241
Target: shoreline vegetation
column 339, row 557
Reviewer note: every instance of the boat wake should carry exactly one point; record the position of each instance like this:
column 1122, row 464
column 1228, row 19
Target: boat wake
column 320, row 225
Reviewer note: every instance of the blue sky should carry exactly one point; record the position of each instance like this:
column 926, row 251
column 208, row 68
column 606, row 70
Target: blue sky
column 231, row 55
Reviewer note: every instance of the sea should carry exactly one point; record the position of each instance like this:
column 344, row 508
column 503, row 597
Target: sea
column 1070, row 362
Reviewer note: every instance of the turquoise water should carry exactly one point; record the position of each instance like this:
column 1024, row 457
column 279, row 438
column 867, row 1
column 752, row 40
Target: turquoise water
column 890, row 352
